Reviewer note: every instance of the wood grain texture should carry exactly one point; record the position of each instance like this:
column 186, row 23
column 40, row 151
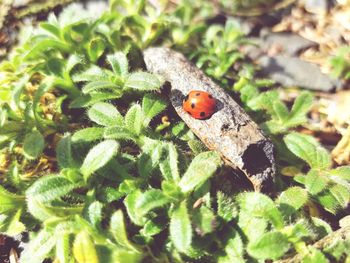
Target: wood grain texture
column 230, row 131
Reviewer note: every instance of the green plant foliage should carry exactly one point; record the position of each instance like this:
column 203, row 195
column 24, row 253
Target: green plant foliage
column 96, row 166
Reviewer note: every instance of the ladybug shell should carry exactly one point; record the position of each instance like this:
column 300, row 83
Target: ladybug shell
column 199, row 104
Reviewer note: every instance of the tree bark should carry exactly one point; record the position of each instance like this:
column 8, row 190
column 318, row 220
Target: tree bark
column 230, row 131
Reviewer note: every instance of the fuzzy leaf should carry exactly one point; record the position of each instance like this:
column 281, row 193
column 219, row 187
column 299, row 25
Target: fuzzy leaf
column 64, row 152
column 272, row 245
column 204, row 220
column 63, row 249
column 105, row 114
column 151, row 199
column 292, row 200
column 38, row 248
column 99, row 156
column 300, row 108
column 119, row 63
column 342, row 172
column 88, row 134
column 118, row 229
column 90, row 99
column 96, row 48
column 142, row 81
column 201, row 168
column 39, row 48
column 93, row 214
column 308, row 149
column 130, row 203
column 134, row 119
column 94, row 73
column 260, row 205
column 99, row 85
column 84, row 249
column 49, row 188
column 151, row 107
column 118, row 133
column 180, row 228
column 169, row 165
column 33, row 145
column 314, row 182
column 227, row 208
column 154, row 226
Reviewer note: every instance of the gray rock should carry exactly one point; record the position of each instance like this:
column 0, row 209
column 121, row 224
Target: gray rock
column 292, row 71
column 278, row 43
column 290, row 43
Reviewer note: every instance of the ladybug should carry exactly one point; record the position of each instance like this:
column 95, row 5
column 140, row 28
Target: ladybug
column 199, row 104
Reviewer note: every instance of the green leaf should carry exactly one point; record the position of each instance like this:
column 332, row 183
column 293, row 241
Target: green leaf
column 204, row 220
column 64, row 152
column 118, row 133
column 10, row 202
column 93, row 214
column 130, row 203
column 342, row 172
column 93, row 73
column 92, row 98
column 84, row 249
column 63, row 249
column 142, row 81
column 253, row 227
column 39, row 48
column 105, row 114
column 260, row 205
column 308, row 149
column 121, row 256
column 234, row 247
column 39, row 248
column 314, row 182
column 300, row 108
column 10, row 224
column 154, row 226
column 88, row 134
column 49, row 188
column 151, row 199
column 74, row 60
column 272, row 245
column 292, row 199
column 151, row 107
column 119, row 63
column 56, row 66
column 227, row 208
column 341, row 193
column 134, row 119
column 314, row 256
column 203, row 166
column 180, row 228
column 96, row 48
column 33, row 145
column 99, row 156
column 118, row 229
column 45, row 211
column 169, row 165
column 99, row 85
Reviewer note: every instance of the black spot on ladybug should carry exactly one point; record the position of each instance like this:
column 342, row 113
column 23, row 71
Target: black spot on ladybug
column 197, row 94
column 192, row 105
column 210, row 96
column 202, row 114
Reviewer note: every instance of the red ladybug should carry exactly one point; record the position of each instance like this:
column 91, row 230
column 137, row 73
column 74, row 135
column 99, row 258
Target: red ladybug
column 199, row 104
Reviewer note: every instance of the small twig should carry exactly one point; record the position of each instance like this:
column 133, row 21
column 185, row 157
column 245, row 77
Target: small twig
column 230, row 131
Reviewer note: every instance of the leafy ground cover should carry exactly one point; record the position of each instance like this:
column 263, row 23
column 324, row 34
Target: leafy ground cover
column 96, row 166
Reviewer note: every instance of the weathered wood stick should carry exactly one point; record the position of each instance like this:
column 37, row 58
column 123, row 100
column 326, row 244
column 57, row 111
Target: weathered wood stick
column 230, row 131
column 341, row 234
